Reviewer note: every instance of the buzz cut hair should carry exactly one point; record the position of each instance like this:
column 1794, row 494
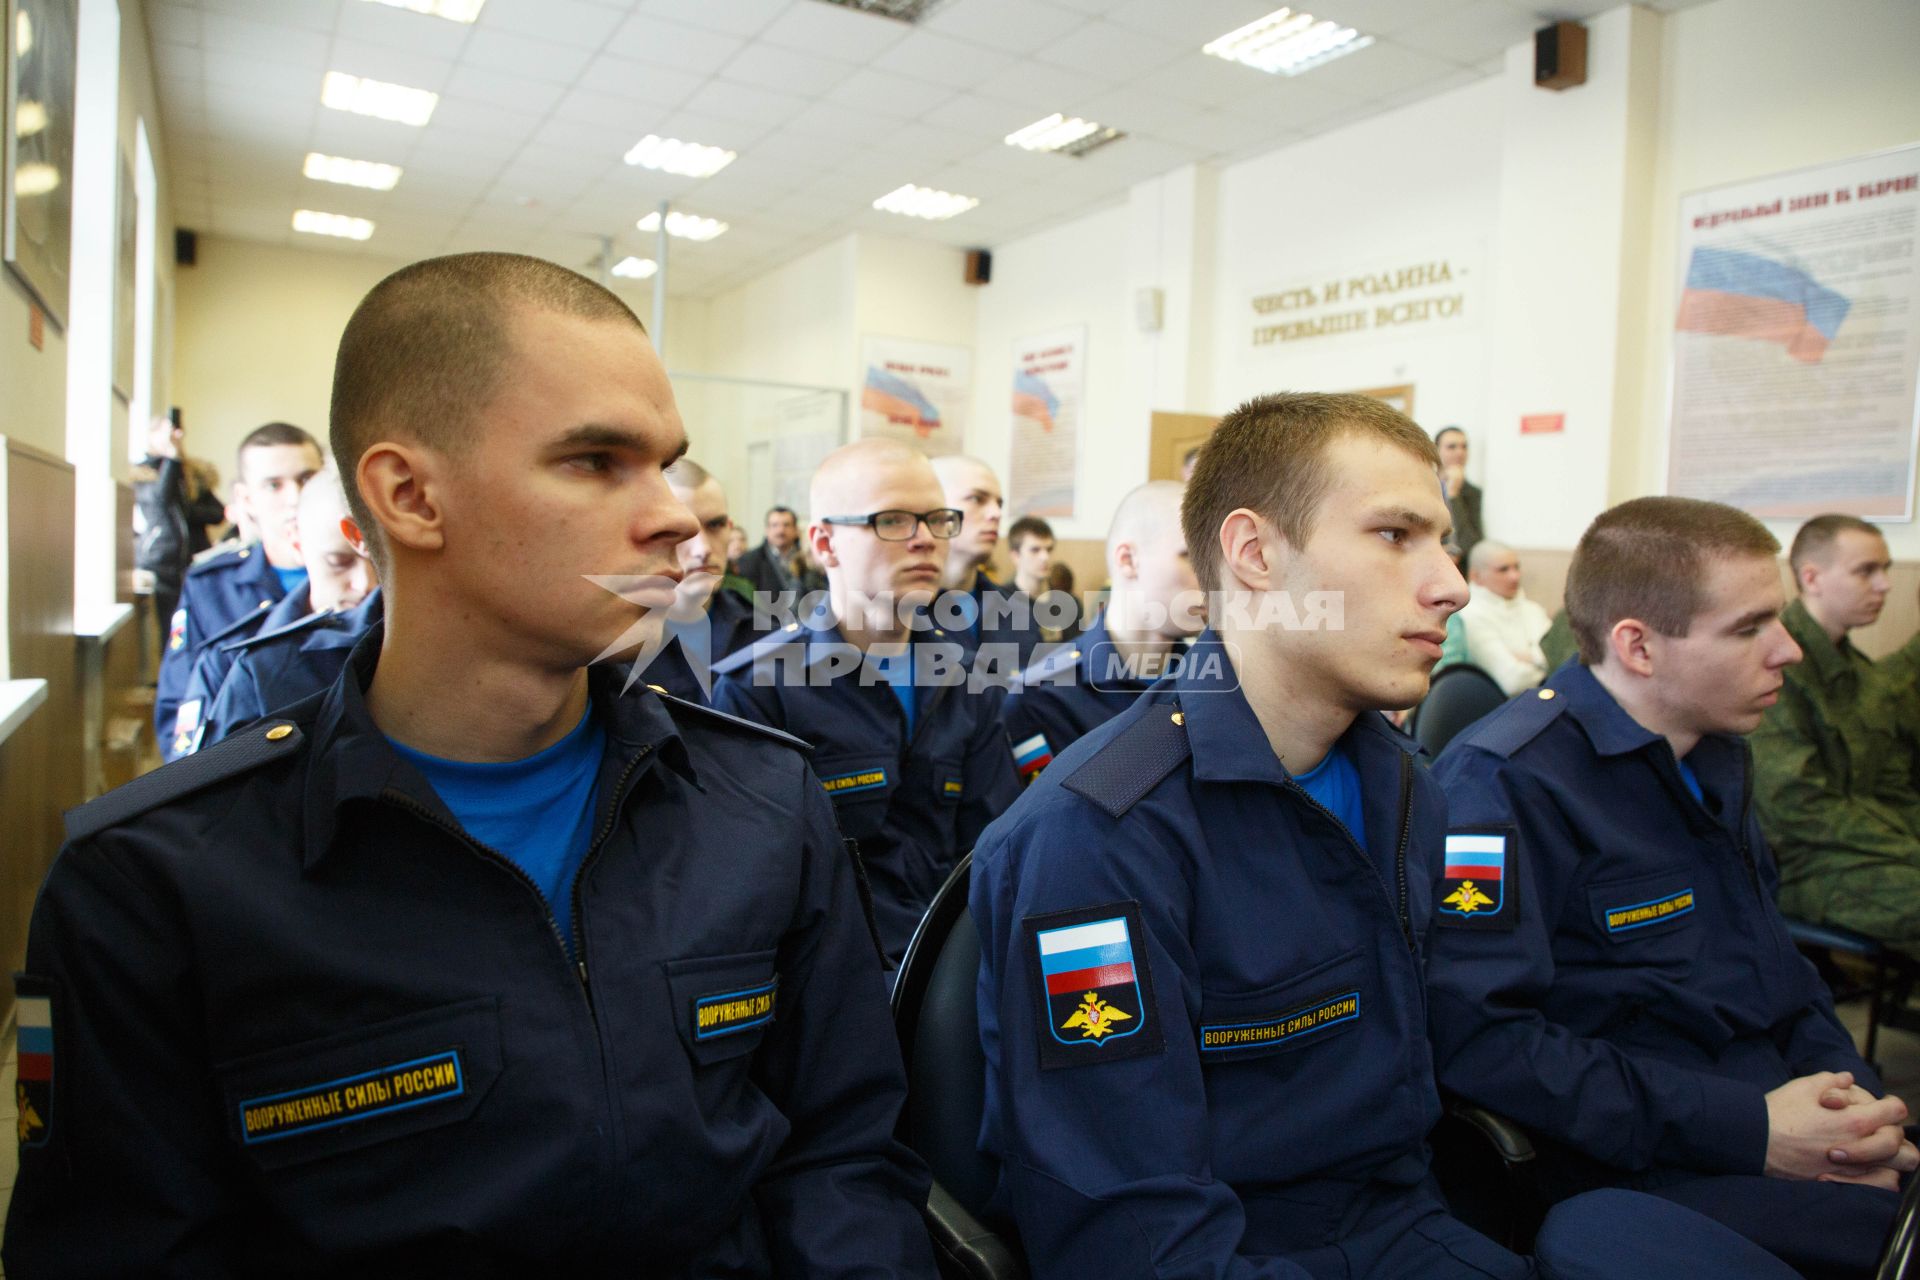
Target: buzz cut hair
column 685, row 473
column 1269, row 456
column 1028, row 527
column 270, row 434
column 1816, row 537
column 426, row 350
column 1648, row 559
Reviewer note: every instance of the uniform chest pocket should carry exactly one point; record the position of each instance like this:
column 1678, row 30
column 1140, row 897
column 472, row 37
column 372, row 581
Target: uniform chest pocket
column 1311, row 1008
column 723, row 1005
column 860, row 787
column 364, row 1086
column 1655, row 912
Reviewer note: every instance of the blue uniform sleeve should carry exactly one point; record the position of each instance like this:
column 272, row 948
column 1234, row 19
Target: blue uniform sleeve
column 1106, row 1166
column 187, row 734
column 237, row 703
column 842, row 1198
column 1494, row 1046
column 180, row 641
column 133, row 1176
column 991, row 784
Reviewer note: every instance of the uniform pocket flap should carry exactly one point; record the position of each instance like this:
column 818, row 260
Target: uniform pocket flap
column 723, row 1004
column 1308, row 1008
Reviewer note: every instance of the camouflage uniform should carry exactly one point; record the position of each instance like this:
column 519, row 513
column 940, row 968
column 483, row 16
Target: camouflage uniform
column 1835, row 788
column 1559, row 643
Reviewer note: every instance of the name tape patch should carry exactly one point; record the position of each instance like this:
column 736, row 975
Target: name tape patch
column 728, row 1012
column 950, row 789
column 1328, row 1011
column 860, row 780
column 349, row 1099
column 1639, row 915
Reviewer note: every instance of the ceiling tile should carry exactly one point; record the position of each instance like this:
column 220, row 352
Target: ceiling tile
column 504, row 90
column 173, row 24
column 602, row 138
column 735, row 17
column 1386, row 17
column 1204, row 81
column 1191, row 23
column 902, row 97
column 1017, row 26
column 925, row 143
column 569, row 22
column 393, row 28
column 1109, row 52
column 840, row 122
column 229, row 34
column 507, row 127
column 711, row 131
column 269, row 79
column 1471, row 34
column 639, row 81
column 943, row 59
column 340, row 133
column 729, row 100
column 784, row 70
column 989, row 117
column 521, row 55
column 305, row 15
column 1041, row 87
column 672, row 44
column 1382, row 70
column 828, row 29
column 395, row 66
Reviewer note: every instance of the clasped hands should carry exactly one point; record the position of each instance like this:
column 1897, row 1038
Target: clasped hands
column 1825, row 1127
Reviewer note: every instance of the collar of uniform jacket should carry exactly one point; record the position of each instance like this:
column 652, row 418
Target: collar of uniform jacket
column 1615, row 733
column 1225, row 735
column 1831, row 664
column 350, row 759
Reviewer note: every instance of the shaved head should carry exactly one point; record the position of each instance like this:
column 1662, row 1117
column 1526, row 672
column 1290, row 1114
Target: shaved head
column 847, row 479
column 1147, row 515
column 959, row 469
column 1485, row 552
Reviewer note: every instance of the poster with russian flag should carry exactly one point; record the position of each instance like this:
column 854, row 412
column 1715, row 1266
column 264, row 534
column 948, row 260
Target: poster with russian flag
column 1049, row 386
column 1796, row 341
column 916, row 392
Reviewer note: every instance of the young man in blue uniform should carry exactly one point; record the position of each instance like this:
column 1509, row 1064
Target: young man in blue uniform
column 994, row 622
column 913, row 756
column 472, row 965
column 712, row 612
column 1609, row 967
column 1200, row 994
column 275, row 462
column 1154, row 606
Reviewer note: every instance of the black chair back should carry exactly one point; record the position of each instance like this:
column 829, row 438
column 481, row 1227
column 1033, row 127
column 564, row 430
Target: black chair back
column 1460, row 695
column 938, row 1022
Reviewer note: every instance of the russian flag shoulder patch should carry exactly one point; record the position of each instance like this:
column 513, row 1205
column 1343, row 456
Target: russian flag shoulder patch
column 1477, row 882
column 1093, row 991
column 1031, row 756
column 33, row 1082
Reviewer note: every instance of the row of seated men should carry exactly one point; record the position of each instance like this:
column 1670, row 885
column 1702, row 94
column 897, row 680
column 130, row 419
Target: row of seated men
column 487, row 958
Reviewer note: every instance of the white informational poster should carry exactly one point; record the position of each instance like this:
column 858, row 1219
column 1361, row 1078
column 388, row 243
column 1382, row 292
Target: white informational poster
column 1049, row 388
column 917, row 392
column 1796, row 351
column 808, row 429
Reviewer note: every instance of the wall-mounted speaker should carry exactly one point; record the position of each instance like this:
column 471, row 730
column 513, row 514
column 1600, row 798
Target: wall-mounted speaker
column 186, row 247
column 1560, row 56
column 979, row 266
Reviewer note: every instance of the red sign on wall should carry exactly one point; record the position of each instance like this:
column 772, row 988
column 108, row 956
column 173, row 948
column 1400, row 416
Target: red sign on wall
column 1539, row 424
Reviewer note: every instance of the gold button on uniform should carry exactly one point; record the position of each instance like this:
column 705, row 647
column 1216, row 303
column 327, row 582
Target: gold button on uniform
column 278, row 732
column 1546, row 695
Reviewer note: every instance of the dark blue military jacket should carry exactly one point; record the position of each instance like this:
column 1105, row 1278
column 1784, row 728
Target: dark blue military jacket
column 1065, row 695
column 277, row 667
column 1201, row 997
column 994, row 620
column 913, row 804
column 1622, row 982
column 684, row 665
column 303, row 1024
column 218, row 592
column 216, row 660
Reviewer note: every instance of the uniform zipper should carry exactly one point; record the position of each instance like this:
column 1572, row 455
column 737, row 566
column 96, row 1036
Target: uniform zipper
column 1400, row 853
column 586, row 865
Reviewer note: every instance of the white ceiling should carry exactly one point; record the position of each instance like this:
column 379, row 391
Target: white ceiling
column 828, row 109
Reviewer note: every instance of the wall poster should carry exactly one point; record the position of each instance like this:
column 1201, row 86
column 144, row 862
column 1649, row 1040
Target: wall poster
column 1797, row 341
column 42, row 41
column 917, row 392
column 1049, row 388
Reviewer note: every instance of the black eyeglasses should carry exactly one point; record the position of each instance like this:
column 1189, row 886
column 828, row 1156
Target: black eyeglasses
column 898, row 526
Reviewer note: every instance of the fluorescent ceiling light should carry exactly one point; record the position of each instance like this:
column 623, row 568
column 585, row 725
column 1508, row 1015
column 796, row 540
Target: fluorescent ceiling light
column 670, row 155
column 635, row 268
column 1069, row 135
column 29, row 118
column 686, row 226
column 1287, row 43
column 351, row 173
column 331, row 224
column 924, row 202
column 377, row 98
column 35, row 178
column 22, row 34
column 451, row 10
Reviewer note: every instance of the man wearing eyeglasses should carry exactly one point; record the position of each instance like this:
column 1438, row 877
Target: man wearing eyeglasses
column 914, row 760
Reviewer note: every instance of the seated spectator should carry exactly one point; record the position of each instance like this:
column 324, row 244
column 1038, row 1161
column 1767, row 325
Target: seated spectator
column 1833, row 777
column 1155, row 605
column 1463, row 496
column 306, row 637
column 778, row 567
column 712, row 613
column 1607, row 964
column 1503, row 627
column 1200, row 994
column 915, row 760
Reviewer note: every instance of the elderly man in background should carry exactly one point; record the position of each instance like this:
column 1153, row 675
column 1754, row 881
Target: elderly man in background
column 1503, row 627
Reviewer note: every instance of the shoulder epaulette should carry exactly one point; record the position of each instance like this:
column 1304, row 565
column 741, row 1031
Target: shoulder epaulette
column 249, row 619
column 218, row 559
column 678, row 705
column 1137, row 760
column 1049, row 665
column 260, row 743
column 297, row 625
column 745, row 655
column 214, row 552
column 1516, row 724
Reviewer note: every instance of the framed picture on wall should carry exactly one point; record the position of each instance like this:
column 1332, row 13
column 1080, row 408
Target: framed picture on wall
column 126, row 250
column 42, row 49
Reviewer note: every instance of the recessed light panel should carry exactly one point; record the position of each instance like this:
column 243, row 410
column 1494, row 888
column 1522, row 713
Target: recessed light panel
column 351, row 173
column 670, row 155
column 684, row 226
column 631, row 268
column 924, row 202
column 1287, row 43
column 451, row 10
column 377, row 98
column 331, row 224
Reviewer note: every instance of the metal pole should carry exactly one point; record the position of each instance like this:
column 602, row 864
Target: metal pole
column 606, row 261
column 660, row 285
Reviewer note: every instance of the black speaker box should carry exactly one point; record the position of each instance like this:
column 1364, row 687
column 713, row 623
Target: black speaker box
column 1560, row 56
column 186, row 247
column 979, row 266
